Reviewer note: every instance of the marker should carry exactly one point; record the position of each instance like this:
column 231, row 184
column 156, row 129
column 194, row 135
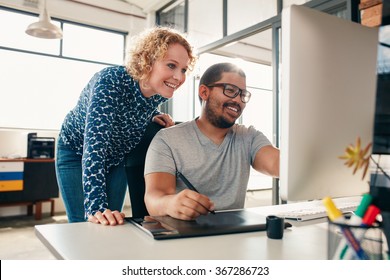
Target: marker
column 367, row 221
column 190, row 186
column 355, row 220
column 336, row 216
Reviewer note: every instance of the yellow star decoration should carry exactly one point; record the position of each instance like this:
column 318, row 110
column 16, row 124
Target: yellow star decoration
column 357, row 157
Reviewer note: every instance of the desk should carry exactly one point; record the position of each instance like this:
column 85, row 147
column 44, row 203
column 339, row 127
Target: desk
column 90, row 241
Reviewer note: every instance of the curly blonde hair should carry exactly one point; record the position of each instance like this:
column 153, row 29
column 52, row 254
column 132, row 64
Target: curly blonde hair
column 152, row 45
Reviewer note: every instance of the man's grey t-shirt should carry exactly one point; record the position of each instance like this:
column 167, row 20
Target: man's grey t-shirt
column 219, row 171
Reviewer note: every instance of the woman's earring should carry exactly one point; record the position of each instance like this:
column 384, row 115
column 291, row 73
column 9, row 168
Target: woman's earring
column 145, row 85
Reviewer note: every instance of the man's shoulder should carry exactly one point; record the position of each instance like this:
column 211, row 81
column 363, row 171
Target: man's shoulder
column 243, row 129
column 174, row 135
column 178, row 128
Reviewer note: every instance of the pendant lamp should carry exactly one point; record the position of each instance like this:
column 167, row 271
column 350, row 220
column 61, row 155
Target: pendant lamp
column 44, row 28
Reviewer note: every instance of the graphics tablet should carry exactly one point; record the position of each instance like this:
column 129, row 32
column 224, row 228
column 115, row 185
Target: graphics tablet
column 223, row 222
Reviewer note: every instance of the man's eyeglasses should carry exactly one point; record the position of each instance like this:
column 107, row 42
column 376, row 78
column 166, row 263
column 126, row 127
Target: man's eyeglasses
column 232, row 91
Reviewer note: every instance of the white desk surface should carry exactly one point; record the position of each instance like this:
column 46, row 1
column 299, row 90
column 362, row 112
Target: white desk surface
column 78, row 241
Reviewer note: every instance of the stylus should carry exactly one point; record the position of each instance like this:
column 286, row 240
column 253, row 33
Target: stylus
column 189, row 185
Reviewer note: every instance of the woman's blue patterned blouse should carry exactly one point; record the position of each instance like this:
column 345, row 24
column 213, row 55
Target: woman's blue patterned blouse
column 108, row 121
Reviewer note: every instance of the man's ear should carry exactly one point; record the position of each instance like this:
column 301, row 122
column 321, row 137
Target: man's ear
column 203, row 92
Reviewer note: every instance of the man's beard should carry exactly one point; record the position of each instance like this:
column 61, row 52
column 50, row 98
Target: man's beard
column 214, row 119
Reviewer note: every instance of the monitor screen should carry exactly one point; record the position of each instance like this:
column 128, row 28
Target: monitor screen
column 327, row 100
column 381, row 144
column 380, row 184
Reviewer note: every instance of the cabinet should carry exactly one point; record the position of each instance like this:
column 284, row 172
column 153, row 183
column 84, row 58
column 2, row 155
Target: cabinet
column 28, row 182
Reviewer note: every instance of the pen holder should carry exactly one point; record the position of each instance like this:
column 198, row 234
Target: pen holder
column 348, row 242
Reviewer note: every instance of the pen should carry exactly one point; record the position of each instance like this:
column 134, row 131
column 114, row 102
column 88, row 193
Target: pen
column 368, row 219
column 336, row 216
column 189, row 185
column 355, row 220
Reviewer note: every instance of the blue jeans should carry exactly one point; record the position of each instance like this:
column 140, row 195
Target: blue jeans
column 69, row 178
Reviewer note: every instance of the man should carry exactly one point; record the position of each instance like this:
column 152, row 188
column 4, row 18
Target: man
column 212, row 152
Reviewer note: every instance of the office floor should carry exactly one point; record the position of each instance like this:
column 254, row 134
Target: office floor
column 19, row 242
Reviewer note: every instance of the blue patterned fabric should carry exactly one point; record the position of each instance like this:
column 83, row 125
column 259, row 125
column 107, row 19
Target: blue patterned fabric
column 108, row 121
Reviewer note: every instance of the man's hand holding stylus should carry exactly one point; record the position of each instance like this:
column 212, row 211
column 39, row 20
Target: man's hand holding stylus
column 161, row 198
column 188, row 205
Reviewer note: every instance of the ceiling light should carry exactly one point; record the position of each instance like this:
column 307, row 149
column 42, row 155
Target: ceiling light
column 44, row 28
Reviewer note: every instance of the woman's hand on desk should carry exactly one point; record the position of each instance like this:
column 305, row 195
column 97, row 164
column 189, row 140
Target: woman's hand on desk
column 108, row 217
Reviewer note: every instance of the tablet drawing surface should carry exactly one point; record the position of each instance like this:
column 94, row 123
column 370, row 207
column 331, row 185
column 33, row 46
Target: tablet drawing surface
column 223, row 222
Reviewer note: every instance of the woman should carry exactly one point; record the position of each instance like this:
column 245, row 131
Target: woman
column 110, row 119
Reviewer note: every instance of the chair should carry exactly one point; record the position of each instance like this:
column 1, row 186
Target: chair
column 134, row 164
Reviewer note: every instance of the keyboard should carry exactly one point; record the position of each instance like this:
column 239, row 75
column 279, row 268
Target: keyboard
column 317, row 211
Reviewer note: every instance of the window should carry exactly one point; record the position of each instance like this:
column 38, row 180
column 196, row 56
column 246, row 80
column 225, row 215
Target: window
column 38, row 91
column 41, row 80
column 173, row 16
column 92, row 44
column 13, row 34
column 205, row 21
column 241, row 16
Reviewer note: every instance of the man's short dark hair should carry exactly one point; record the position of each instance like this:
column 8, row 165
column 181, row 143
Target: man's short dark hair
column 214, row 73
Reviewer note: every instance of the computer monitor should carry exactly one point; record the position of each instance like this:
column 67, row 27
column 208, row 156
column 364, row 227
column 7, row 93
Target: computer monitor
column 327, row 100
